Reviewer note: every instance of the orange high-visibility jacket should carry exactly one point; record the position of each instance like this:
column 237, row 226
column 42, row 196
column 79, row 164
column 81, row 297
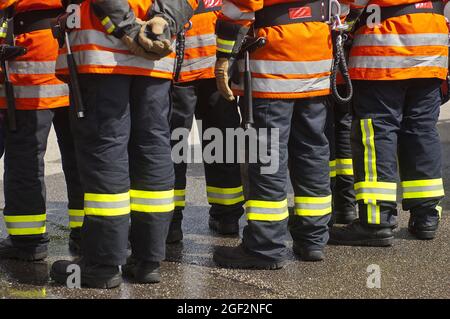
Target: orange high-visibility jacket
column 405, row 47
column 200, row 51
column 96, row 51
column 33, row 75
column 296, row 61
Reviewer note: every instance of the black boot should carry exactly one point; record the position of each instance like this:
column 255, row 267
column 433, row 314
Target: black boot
column 344, row 217
column 355, row 234
column 142, row 272
column 423, row 227
column 175, row 234
column 10, row 250
column 238, row 257
column 224, row 227
column 92, row 275
column 308, row 254
column 75, row 242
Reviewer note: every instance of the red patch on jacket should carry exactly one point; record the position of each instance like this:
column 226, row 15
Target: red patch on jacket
column 424, row 5
column 300, row 13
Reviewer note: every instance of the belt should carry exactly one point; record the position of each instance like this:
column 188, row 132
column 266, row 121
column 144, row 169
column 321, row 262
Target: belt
column 30, row 21
column 293, row 12
column 436, row 7
column 205, row 6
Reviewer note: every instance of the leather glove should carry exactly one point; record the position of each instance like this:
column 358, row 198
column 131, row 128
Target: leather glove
column 134, row 46
column 222, row 78
column 154, row 37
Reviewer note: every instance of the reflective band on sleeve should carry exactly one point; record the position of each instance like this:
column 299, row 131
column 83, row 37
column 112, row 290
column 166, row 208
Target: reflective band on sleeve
column 108, row 25
column 313, row 206
column 233, row 12
column 258, row 210
column 332, row 169
column 344, row 166
column 38, row 91
column 428, row 188
column 225, row 46
column 26, row 224
column 76, row 218
column 107, row 205
column 225, row 196
column 373, row 214
column 180, row 197
column 370, row 192
column 152, row 201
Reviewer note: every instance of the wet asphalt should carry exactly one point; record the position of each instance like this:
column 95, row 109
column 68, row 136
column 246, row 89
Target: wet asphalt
column 409, row 269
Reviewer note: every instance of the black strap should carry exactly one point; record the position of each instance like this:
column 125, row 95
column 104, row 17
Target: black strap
column 436, row 7
column 293, row 12
column 30, row 21
column 209, row 6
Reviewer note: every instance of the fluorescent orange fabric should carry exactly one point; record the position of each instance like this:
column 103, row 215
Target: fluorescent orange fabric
column 33, row 75
column 97, row 52
column 296, row 61
column 405, row 47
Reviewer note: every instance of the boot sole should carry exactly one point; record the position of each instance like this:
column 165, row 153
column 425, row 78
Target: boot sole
column 383, row 242
column 423, row 234
column 261, row 265
column 90, row 282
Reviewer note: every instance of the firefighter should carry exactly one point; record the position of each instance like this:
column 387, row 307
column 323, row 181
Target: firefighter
column 195, row 92
column 41, row 100
column 290, row 89
column 398, row 67
column 123, row 50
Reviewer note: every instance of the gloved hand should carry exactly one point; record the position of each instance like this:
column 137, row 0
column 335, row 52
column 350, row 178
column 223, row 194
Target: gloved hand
column 135, row 47
column 222, row 78
column 155, row 36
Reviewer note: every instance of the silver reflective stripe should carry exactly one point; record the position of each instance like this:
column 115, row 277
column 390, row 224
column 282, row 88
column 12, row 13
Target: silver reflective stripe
column 76, row 219
column 25, row 67
column 225, row 196
column 372, row 211
column 179, row 198
column 200, row 41
column 198, row 63
column 312, row 206
column 82, row 37
column 152, row 201
column 119, row 204
column 38, row 91
column 370, row 151
column 289, row 86
column 230, row 10
column 384, row 191
column 421, row 39
column 16, row 225
column 414, row 189
column 340, row 166
column 288, row 67
column 397, row 62
column 261, row 210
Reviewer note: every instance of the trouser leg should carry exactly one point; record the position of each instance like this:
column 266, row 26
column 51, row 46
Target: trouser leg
column 75, row 194
column 420, row 151
column 223, row 179
column 267, row 211
column 377, row 115
column 24, row 185
column 151, row 168
column 310, row 173
column 184, row 102
column 101, row 141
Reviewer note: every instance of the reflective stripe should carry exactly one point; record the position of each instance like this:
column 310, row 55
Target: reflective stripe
column 231, row 11
column 200, row 41
column 288, row 67
column 25, row 67
column 344, row 166
column 152, row 201
column 373, row 214
column 4, row 30
column 289, row 86
column 332, row 169
column 423, row 188
column 198, row 63
column 76, row 218
column 225, row 46
column 37, row 91
column 26, row 224
column 312, row 206
column 439, row 210
column 108, row 25
column 397, row 62
column 107, row 204
column 370, row 192
column 225, row 196
column 258, row 210
column 180, row 197
column 388, row 40
column 370, row 157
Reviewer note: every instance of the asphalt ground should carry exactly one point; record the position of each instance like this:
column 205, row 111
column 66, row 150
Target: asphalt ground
column 409, row 269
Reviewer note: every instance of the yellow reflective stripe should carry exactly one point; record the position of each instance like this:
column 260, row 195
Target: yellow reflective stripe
column 220, row 190
column 109, row 25
column 3, row 35
column 428, row 194
column 106, row 197
column 26, row 218
column 344, row 166
column 370, row 159
column 425, row 182
column 370, row 192
column 225, row 196
column 439, row 210
column 152, row 194
column 313, row 200
column 225, row 46
column 76, row 218
column 332, row 169
column 107, row 204
column 313, row 206
column 267, row 217
column 152, row 201
column 373, row 214
column 26, row 224
column 180, row 197
column 381, row 185
column 258, row 210
column 76, row 212
column 266, row 204
column 27, row 231
column 107, row 211
column 423, row 188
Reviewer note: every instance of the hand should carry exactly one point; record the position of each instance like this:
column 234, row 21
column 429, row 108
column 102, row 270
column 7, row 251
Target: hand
column 154, row 37
column 138, row 50
column 222, row 79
